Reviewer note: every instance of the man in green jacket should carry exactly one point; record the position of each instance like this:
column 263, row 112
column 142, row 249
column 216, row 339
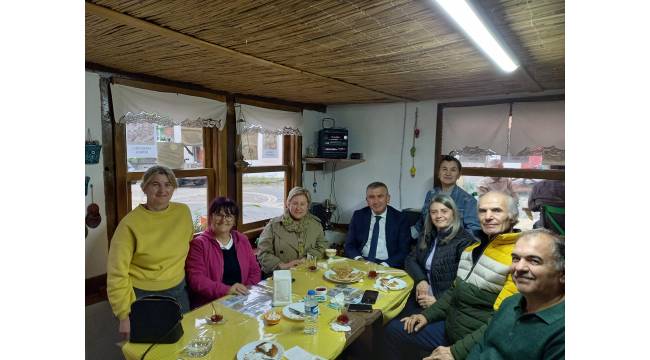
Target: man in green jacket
column 452, row 325
column 530, row 325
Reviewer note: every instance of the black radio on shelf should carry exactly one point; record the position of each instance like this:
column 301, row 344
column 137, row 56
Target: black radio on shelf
column 333, row 143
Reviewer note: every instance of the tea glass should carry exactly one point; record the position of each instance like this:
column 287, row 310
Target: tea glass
column 311, row 264
column 330, row 253
column 201, row 344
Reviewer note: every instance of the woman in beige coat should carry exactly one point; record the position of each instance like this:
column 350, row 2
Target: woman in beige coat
column 287, row 239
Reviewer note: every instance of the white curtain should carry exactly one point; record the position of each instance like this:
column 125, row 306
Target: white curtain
column 134, row 105
column 537, row 124
column 251, row 119
column 484, row 126
column 537, row 127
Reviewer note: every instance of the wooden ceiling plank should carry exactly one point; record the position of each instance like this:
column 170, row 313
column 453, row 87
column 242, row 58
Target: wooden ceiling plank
column 140, row 24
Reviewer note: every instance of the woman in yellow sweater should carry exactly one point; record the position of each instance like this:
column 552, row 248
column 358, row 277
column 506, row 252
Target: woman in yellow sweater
column 149, row 247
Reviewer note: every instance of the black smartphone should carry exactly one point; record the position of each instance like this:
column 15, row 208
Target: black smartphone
column 369, row 297
column 360, row 308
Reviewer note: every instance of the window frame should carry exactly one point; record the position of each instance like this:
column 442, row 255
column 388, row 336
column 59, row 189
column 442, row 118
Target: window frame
column 291, row 166
column 546, row 174
column 213, row 142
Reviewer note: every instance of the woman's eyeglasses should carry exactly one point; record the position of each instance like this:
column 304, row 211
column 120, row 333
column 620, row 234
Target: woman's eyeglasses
column 226, row 217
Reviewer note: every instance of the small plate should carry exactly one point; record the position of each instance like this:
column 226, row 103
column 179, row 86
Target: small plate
column 250, row 347
column 390, row 283
column 290, row 315
column 210, row 322
column 330, row 275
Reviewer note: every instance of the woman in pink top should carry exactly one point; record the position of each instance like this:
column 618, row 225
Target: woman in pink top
column 221, row 260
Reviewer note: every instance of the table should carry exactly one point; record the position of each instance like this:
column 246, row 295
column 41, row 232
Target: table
column 240, row 329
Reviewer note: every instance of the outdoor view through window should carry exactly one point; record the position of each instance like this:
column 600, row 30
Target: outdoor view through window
column 182, row 148
column 263, row 192
column 177, row 148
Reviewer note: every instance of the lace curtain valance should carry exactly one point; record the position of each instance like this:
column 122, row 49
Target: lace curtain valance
column 253, row 119
column 133, row 105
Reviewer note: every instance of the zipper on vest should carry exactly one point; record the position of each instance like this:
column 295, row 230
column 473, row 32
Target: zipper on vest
column 479, row 258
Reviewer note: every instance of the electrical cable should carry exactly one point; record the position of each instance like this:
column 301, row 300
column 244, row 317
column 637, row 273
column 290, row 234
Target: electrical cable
column 333, row 192
column 401, row 157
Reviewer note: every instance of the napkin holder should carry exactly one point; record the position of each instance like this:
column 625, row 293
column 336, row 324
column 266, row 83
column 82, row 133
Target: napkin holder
column 281, row 287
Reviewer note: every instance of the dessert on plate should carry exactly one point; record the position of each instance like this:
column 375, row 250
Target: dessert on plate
column 263, row 351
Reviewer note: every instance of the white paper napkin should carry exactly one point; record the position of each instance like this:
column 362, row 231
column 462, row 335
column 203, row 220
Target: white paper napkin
column 338, row 327
column 298, row 353
column 300, row 307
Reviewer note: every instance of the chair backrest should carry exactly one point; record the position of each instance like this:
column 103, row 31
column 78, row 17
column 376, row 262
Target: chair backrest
column 553, row 215
column 412, row 215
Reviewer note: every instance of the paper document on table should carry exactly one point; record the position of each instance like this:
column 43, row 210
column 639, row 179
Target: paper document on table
column 257, row 302
column 298, row 353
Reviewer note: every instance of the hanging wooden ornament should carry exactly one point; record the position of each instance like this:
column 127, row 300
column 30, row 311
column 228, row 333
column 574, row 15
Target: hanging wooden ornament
column 93, row 217
column 416, row 134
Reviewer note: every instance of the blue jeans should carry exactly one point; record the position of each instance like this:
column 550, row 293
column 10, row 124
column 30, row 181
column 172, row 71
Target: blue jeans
column 178, row 292
column 401, row 345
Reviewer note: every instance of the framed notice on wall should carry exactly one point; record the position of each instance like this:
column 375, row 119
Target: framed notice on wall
column 270, row 146
column 170, row 155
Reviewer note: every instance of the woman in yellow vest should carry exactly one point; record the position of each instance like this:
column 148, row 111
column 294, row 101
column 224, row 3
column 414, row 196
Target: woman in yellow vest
column 148, row 250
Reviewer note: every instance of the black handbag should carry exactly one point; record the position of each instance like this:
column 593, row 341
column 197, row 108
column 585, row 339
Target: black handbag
column 155, row 319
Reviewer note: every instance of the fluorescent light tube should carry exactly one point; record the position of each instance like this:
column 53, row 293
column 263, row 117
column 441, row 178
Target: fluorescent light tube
column 465, row 17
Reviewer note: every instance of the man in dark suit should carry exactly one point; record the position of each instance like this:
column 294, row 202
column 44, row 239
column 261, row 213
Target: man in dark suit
column 378, row 232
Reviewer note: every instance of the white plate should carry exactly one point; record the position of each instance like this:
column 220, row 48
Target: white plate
column 251, row 347
column 292, row 316
column 394, row 273
column 395, row 284
column 329, row 275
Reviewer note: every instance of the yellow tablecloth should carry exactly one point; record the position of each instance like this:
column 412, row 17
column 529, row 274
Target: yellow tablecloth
column 240, row 329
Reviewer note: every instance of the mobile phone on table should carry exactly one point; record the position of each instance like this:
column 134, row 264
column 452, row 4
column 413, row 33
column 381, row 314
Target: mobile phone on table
column 369, row 297
column 360, row 308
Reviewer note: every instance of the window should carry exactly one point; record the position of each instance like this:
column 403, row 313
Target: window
column 188, row 161
column 506, row 144
column 149, row 132
column 270, row 143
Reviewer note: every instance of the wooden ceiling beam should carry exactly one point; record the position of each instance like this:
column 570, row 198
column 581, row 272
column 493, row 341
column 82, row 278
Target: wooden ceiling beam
column 152, row 28
column 198, row 90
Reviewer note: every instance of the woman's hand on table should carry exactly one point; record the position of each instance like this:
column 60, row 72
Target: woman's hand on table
column 291, row 264
column 426, row 300
column 414, row 322
column 238, row 289
column 125, row 328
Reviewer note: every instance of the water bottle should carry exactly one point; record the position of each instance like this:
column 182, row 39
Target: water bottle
column 311, row 313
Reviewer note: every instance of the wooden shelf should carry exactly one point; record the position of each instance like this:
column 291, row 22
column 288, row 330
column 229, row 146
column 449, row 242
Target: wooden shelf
column 315, row 164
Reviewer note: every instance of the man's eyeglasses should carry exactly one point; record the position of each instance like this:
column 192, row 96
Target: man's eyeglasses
column 226, row 217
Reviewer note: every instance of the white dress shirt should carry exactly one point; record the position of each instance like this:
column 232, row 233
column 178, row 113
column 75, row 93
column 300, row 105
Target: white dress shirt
column 382, row 250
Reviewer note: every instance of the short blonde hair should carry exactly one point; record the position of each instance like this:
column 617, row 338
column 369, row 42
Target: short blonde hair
column 158, row 169
column 298, row 190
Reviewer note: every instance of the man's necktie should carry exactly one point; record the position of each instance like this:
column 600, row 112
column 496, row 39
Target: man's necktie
column 374, row 239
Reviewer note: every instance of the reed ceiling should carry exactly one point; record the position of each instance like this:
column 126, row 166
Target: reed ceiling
column 327, row 51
